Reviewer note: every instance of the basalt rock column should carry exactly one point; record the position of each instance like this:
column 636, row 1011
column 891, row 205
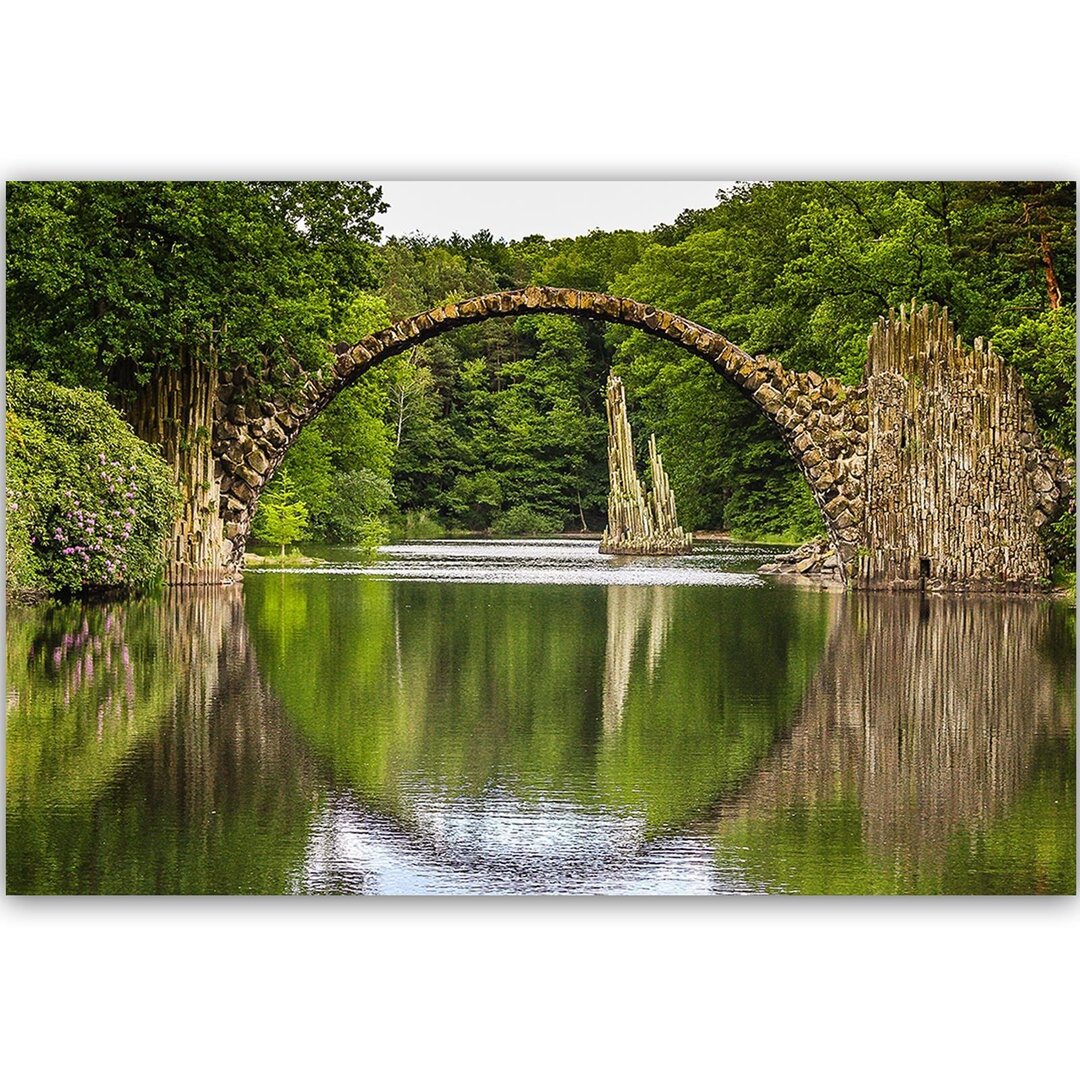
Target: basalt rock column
column 639, row 522
column 175, row 411
column 957, row 482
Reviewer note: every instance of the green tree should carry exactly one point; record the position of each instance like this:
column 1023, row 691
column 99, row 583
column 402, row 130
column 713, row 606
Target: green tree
column 144, row 289
column 474, row 500
column 348, row 439
column 358, row 499
column 1043, row 348
column 281, row 518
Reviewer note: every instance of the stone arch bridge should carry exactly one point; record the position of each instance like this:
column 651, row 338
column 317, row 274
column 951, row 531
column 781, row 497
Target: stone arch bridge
column 930, row 474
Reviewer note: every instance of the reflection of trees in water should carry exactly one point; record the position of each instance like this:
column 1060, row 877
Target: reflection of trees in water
column 928, row 713
column 638, row 621
column 440, row 688
column 201, row 785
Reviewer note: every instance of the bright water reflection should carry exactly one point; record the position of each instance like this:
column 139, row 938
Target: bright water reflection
column 532, row 717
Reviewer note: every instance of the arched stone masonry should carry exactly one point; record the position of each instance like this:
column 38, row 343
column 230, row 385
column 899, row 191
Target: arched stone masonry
column 251, row 436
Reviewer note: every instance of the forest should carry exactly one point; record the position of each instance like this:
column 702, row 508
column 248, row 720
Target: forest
column 499, row 428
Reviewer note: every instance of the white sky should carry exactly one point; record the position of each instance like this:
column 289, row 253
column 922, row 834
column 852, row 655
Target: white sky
column 512, row 209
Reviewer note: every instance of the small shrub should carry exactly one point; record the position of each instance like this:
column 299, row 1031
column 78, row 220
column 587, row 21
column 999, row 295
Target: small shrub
column 371, row 535
column 525, row 521
column 417, row 525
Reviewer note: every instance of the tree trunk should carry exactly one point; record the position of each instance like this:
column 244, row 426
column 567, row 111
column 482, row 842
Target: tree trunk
column 1053, row 289
column 175, row 411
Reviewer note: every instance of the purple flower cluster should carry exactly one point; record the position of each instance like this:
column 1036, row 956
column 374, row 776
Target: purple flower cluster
column 96, row 539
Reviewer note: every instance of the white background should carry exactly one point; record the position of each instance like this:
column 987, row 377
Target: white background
column 293, row 987
column 513, row 209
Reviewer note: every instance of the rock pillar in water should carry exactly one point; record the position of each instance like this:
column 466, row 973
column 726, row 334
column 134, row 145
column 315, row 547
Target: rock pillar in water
column 640, row 521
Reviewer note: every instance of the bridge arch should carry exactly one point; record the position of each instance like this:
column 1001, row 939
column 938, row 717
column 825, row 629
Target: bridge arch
column 818, row 418
column 929, row 475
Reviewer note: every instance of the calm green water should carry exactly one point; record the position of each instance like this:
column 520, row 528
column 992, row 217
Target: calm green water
column 533, row 717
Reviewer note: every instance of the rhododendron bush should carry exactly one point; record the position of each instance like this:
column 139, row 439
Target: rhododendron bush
column 89, row 505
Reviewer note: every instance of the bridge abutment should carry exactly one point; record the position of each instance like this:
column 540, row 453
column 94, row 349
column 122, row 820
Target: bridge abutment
column 175, row 411
column 958, row 484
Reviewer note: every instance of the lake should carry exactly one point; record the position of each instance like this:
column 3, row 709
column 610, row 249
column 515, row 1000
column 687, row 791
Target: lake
column 533, row 717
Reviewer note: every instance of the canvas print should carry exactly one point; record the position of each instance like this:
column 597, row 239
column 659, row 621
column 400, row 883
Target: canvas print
column 508, row 537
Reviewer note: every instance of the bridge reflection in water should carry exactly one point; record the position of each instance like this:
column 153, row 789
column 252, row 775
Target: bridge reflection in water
column 619, row 739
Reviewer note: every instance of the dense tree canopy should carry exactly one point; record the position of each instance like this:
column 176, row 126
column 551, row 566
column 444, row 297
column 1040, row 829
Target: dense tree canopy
column 107, row 281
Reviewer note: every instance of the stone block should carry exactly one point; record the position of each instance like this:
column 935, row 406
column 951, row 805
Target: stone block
column 768, row 397
column 247, row 476
column 258, row 461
